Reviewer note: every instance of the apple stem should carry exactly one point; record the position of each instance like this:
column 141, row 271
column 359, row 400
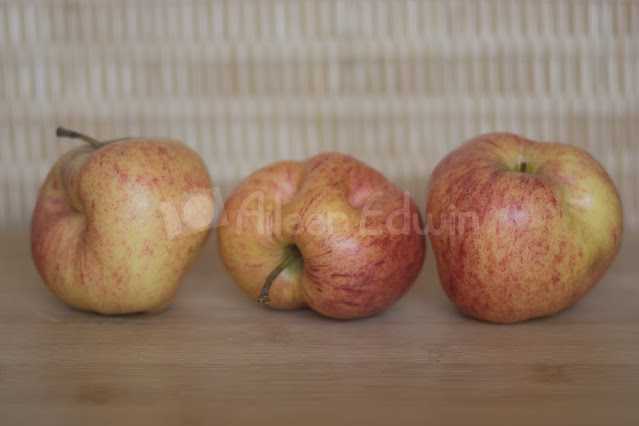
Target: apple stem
column 294, row 255
column 61, row 132
column 522, row 167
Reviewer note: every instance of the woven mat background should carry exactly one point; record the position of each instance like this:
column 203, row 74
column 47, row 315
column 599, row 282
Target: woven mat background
column 396, row 83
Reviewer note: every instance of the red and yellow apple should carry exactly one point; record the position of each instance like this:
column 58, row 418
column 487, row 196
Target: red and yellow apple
column 98, row 234
column 330, row 232
column 521, row 229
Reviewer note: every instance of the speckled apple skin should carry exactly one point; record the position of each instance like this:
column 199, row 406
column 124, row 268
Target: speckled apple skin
column 345, row 274
column 98, row 236
column 544, row 238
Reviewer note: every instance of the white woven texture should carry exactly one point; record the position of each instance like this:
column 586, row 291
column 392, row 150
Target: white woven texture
column 397, row 84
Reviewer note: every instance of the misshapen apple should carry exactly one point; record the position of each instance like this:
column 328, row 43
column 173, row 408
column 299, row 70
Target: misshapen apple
column 330, row 232
column 543, row 222
column 98, row 235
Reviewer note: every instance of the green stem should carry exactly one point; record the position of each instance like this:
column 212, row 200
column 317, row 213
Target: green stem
column 294, row 255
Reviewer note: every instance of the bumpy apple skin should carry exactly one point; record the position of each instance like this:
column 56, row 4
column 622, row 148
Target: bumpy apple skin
column 98, row 237
column 544, row 237
column 345, row 273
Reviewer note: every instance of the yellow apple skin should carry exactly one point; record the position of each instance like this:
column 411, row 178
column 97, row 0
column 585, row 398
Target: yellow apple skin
column 543, row 238
column 98, row 236
column 345, row 272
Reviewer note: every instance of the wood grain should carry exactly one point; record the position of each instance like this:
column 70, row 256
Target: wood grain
column 216, row 357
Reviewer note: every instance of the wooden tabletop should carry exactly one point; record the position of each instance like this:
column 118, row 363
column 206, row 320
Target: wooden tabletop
column 216, row 357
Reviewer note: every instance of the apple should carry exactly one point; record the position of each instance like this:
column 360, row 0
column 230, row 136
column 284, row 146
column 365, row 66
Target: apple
column 521, row 229
column 98, row 234
column 330, row 233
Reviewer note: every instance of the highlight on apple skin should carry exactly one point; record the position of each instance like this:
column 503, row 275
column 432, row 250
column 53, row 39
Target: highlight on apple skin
column 98, row 235
column 330, row 233
column 543, row 224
